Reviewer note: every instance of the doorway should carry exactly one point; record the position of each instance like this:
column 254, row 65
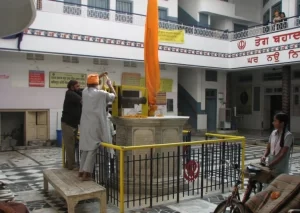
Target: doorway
column 12, row 128
column 276, row 107
column 211, row 109
column 19, row 127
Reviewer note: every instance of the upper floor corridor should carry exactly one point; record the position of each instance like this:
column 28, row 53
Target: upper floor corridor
column 71, row 29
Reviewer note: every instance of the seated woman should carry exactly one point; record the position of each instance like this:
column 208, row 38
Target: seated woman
column 280, row 146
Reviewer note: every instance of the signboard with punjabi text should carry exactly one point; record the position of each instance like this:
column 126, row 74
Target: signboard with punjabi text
column 273, row 48
column 61, row 79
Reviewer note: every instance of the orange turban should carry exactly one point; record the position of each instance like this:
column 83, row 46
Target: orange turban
column 93, row 79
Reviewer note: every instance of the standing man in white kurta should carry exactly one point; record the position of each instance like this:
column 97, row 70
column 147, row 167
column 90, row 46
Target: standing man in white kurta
column 93, row 124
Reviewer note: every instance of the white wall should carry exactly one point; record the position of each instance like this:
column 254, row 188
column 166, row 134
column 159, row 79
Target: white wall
column 193, row 80
column 222, row 8
column 191, row 7
column 190, row 79
column 15, row 93
column 290, row 7
column 221, row 23
column 249, row 10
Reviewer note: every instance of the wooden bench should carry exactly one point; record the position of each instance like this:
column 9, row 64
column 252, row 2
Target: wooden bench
column 68, row 185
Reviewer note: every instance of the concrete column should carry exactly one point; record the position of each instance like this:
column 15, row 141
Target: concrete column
column 289, row 7
column 286, row 89
column 228, row 90
column 113, row 5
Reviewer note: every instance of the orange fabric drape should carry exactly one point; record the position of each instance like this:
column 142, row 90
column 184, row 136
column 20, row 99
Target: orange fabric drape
column 152, row 72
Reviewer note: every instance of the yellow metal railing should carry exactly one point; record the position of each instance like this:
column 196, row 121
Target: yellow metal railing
column 123, row 149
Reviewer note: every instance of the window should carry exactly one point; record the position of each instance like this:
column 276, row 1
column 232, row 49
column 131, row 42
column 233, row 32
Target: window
column 124, row 11
column 98, row 9
column 72, row 7
column 276, row 7
column 37, row 57
column 269, row 90
column 124, row 6
column 265, row 2
column 163, row 14
column 100, row 4
column 296, row 101
column 72, row 1
column 245, row 78
column 274, row 76
column 297, row 74
column 211, row 75
column 69, row 59
column 162, row 67
column 130, row 64
column 97, row 61
column 266, row 17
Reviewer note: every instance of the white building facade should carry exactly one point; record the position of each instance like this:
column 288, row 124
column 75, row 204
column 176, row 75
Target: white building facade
column 78, row 37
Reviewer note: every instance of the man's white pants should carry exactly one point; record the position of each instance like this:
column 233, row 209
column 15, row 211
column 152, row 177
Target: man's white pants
column 87, row 161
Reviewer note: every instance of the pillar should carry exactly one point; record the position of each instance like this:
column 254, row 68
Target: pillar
column 286, row 89
column 289, row 7
column 229, row 90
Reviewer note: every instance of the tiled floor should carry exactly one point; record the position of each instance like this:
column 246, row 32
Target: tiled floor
column 23, row 169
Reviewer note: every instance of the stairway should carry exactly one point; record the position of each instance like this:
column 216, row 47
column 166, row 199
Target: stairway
column 187, row 106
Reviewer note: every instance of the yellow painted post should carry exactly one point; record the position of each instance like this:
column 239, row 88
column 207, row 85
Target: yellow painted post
column 122, row 181
column 243, row 159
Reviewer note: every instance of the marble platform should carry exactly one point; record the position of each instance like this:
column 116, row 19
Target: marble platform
column 150, row 131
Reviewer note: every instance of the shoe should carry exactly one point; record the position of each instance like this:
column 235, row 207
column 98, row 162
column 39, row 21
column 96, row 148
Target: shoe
column 80, row 174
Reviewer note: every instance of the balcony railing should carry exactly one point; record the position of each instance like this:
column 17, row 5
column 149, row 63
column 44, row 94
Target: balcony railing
column 290, row 23
column 55, row 6
column 59, row 7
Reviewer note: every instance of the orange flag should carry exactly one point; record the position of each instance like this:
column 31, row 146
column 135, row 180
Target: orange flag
column 152, row 72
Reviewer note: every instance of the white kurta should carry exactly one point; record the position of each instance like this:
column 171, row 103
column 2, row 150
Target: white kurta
column 111, row 133
column 93, row 123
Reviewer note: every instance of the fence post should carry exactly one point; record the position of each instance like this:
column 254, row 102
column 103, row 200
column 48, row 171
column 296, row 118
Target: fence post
column 223, row 166
column 178, row 173
column 243, row 160
column 151, row 176
column 202, row 168
column 122, row 204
